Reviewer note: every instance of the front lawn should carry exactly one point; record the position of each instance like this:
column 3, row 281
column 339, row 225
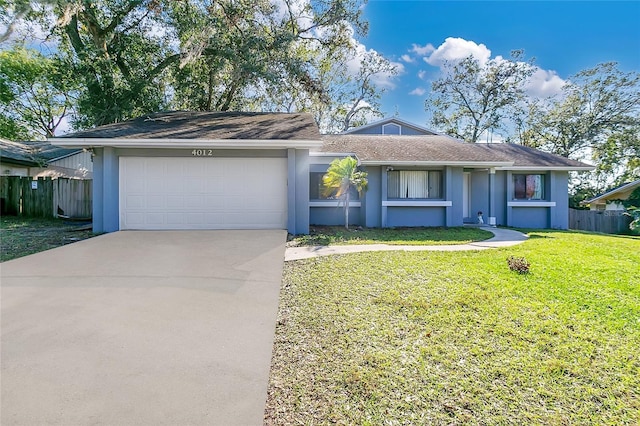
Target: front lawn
column 337, row 235
column 23, row 236
column 457, row 338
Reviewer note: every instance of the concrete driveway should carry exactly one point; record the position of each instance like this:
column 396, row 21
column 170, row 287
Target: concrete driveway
column 141, row 328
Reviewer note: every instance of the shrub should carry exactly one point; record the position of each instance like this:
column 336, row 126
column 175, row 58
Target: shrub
column 518, row 264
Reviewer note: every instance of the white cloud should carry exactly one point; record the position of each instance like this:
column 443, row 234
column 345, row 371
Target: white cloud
column 408, row 59
column 383, row 79
column 418, row 91
column 544, row 83
column 422, row 74
column 299, row 9
column 422, row 50
column 386, row 80
column 456, row 49
column 490, row 137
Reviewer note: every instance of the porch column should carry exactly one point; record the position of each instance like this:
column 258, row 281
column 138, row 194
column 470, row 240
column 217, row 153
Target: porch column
column 291, row 191
column 492, row 196
column 98, row 191
column 110, row 190
column 448, row 193
column 509, row 197
column 383, row 197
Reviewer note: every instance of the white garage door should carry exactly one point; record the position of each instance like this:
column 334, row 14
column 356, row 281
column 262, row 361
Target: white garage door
column 203, row 193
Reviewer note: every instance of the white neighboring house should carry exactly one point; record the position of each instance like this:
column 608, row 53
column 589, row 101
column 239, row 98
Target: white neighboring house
column 41, row 159
column 611, row 200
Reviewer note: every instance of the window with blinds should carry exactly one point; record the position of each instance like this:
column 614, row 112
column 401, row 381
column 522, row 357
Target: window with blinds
column 411, row 184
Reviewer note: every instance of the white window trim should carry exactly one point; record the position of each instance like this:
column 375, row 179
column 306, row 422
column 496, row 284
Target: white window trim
column 333, row 203
column 412, row 203
column 531, row 204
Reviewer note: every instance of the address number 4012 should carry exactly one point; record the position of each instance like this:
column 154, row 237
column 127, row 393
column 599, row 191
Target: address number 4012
column 202, row 153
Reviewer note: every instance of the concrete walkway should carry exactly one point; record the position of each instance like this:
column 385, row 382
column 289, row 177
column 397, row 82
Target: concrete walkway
column 141, row 328
column 502, row 238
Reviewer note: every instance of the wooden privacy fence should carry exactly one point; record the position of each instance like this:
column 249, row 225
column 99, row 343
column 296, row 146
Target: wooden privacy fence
column 45, row 197
column 606, row 221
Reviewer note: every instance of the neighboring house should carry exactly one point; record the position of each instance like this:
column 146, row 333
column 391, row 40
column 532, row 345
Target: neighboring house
column 234, row 170
column 41, row 159
column 612, row 200
column 15, row 160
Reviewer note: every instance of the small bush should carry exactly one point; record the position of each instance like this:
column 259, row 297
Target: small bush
column 518, row 264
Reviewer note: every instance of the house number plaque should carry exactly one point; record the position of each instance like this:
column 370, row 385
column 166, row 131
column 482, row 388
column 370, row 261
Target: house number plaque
column 202, row 153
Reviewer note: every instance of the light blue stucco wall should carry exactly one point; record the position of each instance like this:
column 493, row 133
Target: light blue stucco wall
column 333, row 215
column 301, row 182
column 416, row 216
column 373, row 198
column 98, row 191
column 560, row 189
column 106, row 210
column 479, row 194
column 530, row 217
column 453, row 182
column 500, row 188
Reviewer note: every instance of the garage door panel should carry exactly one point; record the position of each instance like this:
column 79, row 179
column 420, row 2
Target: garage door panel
column 155, row 202
column 194, row 202
column 203, row 193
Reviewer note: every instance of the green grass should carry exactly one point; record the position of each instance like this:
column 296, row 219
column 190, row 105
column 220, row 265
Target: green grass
column 23, row 236
column 458, row 338
column 338, row 235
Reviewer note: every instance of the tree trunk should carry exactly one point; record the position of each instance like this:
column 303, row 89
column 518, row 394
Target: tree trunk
column 346, row 211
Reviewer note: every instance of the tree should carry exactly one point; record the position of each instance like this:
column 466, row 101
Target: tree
column 341, row 178
column 140, row 56
column 352, row 84
column 597, row 118
column 471, row 98
column 35, row 93
column 596, row 104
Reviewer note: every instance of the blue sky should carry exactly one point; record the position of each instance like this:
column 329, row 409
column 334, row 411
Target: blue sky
column 564, row 37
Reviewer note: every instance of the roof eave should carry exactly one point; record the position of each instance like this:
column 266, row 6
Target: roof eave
column 437, row 163
column 16, row 162
column 606, row 196
column 173, row 143
column 71, row 154
column 549, row 168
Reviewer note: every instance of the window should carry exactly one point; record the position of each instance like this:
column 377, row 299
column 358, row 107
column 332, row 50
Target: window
column 390, row 129
column 414, row 184
column 528, row 187
column 316, row 189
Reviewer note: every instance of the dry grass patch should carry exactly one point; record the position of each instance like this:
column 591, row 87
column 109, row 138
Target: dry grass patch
column 23, row 236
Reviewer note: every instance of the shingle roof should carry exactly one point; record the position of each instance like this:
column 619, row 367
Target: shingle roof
column 15, row 152
column 621, row 192
column 523, row 156
column 30, row 153
column 441, row 149
column 209, row 126
column 436, row 148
